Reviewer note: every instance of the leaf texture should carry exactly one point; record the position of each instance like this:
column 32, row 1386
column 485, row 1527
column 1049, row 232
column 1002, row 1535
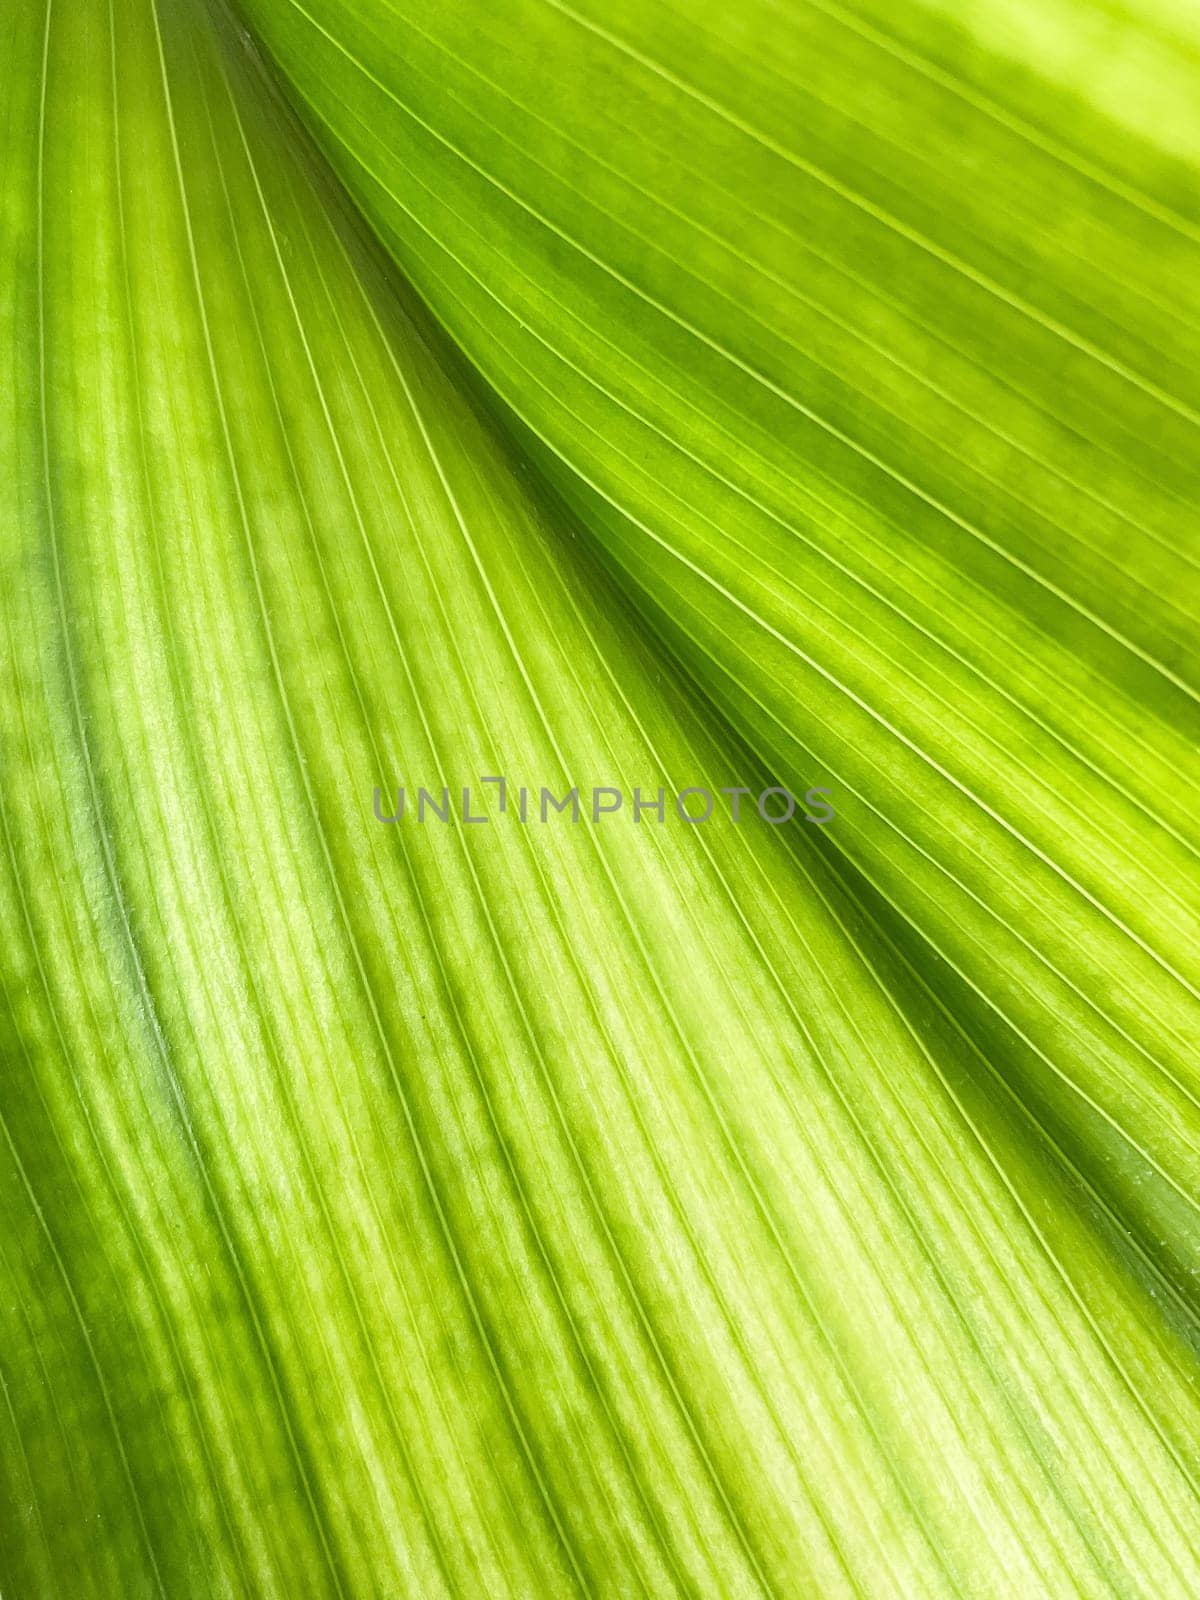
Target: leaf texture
column 619, row 1207
column 870, row 365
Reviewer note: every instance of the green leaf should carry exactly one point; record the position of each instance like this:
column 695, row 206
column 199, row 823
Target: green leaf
column 620, row 1207
column 869, row 360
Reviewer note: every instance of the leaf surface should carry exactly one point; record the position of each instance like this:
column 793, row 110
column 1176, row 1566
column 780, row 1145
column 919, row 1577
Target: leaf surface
column 617, row 1207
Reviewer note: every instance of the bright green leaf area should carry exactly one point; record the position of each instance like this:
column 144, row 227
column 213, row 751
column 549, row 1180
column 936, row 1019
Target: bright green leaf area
column 648, row 395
